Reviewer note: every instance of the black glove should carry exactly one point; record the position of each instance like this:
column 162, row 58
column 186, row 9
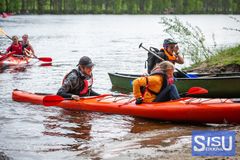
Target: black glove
column 139, row 101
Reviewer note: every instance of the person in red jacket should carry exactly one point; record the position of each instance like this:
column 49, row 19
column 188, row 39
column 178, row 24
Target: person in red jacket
column 15, row 46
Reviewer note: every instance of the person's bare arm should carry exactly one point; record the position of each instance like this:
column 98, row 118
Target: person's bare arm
column 179, row 59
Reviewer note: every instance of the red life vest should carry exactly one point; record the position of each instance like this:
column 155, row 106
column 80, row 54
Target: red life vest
column 87, row 86
column 16, row 47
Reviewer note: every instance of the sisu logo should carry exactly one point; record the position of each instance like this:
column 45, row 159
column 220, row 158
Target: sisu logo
column 213, row 143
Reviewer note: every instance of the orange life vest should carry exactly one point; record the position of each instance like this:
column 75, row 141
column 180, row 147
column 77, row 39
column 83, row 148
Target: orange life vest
column 171, row 57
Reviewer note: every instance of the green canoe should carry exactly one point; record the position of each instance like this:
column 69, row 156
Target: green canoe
column 225, row 85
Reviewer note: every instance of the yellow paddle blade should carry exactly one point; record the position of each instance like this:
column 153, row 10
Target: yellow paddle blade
column 2, row 32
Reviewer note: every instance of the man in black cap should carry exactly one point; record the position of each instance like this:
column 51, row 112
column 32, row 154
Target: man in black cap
column 79, row 81
column 169, row 52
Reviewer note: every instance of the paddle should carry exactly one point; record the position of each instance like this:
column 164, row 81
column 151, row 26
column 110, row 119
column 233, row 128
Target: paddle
column 4, row 33
column 52, row 100
column 194, row 91
column 7, row 55
column 44, row 59
column 181, row 72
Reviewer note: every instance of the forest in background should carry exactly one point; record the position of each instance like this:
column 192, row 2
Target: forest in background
column 120, row 6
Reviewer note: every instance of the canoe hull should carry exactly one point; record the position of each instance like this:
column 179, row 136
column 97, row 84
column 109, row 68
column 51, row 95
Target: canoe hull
column 184, row 110
column 218, row 87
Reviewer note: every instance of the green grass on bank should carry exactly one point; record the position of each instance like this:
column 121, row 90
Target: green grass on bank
column 224, row 57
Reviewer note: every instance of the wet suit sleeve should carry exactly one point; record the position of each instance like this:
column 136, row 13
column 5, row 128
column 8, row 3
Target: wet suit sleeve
column 137, row 84
column 67, row 86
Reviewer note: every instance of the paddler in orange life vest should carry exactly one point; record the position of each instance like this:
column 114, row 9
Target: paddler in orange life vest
column 15, row 46
column 27, row 47
column 169, row 52
column 79, row 81
column 158, row 86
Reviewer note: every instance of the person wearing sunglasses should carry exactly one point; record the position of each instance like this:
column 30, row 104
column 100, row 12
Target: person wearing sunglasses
column 79, row 81
column 169, row 52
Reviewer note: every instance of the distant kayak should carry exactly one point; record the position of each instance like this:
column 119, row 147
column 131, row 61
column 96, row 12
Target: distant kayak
column 4, row 15
column 194, row 110
column 15, row 61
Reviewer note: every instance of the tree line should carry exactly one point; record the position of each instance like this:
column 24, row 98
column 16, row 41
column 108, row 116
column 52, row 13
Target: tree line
column 120, row 6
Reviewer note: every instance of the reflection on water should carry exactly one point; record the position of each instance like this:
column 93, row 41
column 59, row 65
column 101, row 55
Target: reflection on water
column 35, row 132
column 96, row 133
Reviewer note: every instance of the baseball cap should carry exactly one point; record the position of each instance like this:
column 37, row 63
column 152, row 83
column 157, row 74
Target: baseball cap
column 85, row 61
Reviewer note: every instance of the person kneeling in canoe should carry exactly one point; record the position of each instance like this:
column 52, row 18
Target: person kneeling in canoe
column 169, row 52
column 158, row 86
column 79, row 81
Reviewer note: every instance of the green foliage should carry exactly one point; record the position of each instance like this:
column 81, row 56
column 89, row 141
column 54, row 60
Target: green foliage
column 13, row 5
column 226, row 57
column 121, row 6
column 2, row 6
column 229, row 56
column 191, row 38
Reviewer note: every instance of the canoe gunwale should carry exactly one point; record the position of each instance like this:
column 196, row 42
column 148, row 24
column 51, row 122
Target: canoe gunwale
column 200, row 78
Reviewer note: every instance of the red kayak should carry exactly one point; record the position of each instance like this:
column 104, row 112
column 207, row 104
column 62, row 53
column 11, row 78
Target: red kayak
column 194, row 110
column 4, row 15
column 15, row 61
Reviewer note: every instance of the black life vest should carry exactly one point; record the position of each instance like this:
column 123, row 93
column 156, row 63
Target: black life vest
column 151, row 61
column 24, row 46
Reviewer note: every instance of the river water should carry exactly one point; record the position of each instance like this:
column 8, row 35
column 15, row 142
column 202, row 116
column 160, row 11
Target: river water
column 34, row 132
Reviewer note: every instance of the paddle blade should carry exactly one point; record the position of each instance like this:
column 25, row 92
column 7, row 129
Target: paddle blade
column 52, row 100
column 2, row 31
column 45, row 59
column 197, row 90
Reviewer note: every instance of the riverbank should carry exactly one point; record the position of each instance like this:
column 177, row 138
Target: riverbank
column 227, row 60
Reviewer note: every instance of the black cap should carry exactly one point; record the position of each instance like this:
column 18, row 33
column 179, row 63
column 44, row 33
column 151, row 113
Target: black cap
column 169, row 41
column 85, row 61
